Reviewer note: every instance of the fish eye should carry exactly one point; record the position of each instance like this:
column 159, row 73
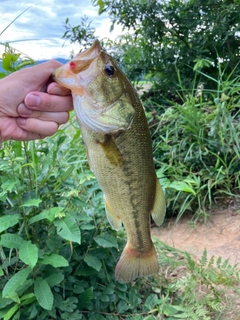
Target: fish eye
column 109, row 70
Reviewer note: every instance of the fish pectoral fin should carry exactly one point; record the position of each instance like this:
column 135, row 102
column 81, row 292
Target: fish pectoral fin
column 111, row 151
column 159, row 208
column 113, row 219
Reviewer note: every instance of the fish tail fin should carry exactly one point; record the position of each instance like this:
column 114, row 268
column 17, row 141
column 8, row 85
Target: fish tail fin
column 134, row 264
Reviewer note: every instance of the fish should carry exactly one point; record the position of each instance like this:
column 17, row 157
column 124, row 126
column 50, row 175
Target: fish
column 118, row 144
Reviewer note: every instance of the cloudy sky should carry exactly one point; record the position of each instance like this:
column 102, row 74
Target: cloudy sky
column 38, row 31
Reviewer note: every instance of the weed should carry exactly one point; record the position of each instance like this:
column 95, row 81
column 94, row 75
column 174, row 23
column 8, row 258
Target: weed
column 196, row 147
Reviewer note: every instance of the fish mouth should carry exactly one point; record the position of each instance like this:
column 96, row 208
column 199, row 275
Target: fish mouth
column 68, row 74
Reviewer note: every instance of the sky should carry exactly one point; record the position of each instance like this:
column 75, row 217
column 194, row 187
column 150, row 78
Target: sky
column 38, row 31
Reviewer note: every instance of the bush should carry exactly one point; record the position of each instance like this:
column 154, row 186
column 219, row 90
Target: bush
column 58, row 252
column 196, row 146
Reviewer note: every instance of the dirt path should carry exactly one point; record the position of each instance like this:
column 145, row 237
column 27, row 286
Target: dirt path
column 220, row 236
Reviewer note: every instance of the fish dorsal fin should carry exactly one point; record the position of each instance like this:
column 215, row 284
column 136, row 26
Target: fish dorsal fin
column 113, row 219
column 159, row 208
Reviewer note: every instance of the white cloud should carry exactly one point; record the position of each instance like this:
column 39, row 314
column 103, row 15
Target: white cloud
column 38, row 31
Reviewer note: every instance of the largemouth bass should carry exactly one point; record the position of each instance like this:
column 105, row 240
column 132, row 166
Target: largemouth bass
column 118, row 144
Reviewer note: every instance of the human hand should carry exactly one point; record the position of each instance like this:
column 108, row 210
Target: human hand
column 31, row 107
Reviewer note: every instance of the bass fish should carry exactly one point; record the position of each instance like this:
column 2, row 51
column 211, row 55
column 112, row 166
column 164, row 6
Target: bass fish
column 118, row 145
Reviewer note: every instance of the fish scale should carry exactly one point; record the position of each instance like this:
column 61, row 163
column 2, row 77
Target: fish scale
column 118, row 144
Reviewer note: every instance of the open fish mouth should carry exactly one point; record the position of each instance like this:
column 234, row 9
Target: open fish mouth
column 68, row 74
column 110, row 117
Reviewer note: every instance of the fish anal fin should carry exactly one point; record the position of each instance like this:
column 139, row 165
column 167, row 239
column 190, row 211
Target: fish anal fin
column 133, row 264
column 111, row 151
column 113, row 219
column 159, row 207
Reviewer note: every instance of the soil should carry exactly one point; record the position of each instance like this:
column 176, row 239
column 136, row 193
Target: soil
column 220, row 235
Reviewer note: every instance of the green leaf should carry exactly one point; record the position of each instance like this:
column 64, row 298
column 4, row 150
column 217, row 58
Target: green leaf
column 2, row 75
column 104, row 298
column 28, row 253
column 151, row 301
column 134, row 298
column 85, row 298
column 14, row 297
column 122, row 306
column 27, row 298
column 9, row 184
column 93, row 262
column 11, row 312
column 106, row 240
column 11, row 241
column 8, row 221
column 43, row 293
column 67, row 229
column 1, row 272
column 15, row 282
column 7, row 62
column 4, row 302
column 55, row 278
column 101, row 4
column 181, row 186
column 54, row 260
column 32, row 203
column 49, row 215
column 94, row 316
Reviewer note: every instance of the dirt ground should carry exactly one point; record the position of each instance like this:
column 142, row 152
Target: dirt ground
column 220, row 235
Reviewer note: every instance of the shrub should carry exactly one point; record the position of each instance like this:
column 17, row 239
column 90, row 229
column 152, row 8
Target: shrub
column 196, row 146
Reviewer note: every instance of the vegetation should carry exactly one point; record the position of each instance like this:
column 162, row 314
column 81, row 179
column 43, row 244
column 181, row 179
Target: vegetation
column 175, row 35
column 198, row 151
column 57, row 251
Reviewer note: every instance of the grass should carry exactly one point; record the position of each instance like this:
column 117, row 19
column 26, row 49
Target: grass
column 199, row 288
column 196, row 147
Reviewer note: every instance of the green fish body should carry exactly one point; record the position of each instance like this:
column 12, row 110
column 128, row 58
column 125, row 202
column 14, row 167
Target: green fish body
column 118, row 145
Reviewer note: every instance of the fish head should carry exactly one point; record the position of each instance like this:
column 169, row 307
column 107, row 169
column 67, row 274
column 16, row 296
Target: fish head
column 102, row 100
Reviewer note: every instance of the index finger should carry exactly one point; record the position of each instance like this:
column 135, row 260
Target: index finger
column 48, row 102
column 55, row 88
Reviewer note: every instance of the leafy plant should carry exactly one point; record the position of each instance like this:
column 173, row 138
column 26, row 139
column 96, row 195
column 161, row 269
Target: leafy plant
column 197, row 288
column 57, row 253
column 196, row 146
column 13, row 61
column 83, row 33
column 176, row 35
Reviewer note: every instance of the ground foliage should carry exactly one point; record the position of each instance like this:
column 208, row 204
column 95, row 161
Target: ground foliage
column 196, row 147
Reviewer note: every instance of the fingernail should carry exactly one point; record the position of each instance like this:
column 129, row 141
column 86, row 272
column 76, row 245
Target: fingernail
column 54, row 90
column 32, row 100
column 24, row 111
column 21, row 121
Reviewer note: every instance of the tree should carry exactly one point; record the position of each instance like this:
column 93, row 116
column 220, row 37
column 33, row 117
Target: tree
column 83, row 33
column 177, row 35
